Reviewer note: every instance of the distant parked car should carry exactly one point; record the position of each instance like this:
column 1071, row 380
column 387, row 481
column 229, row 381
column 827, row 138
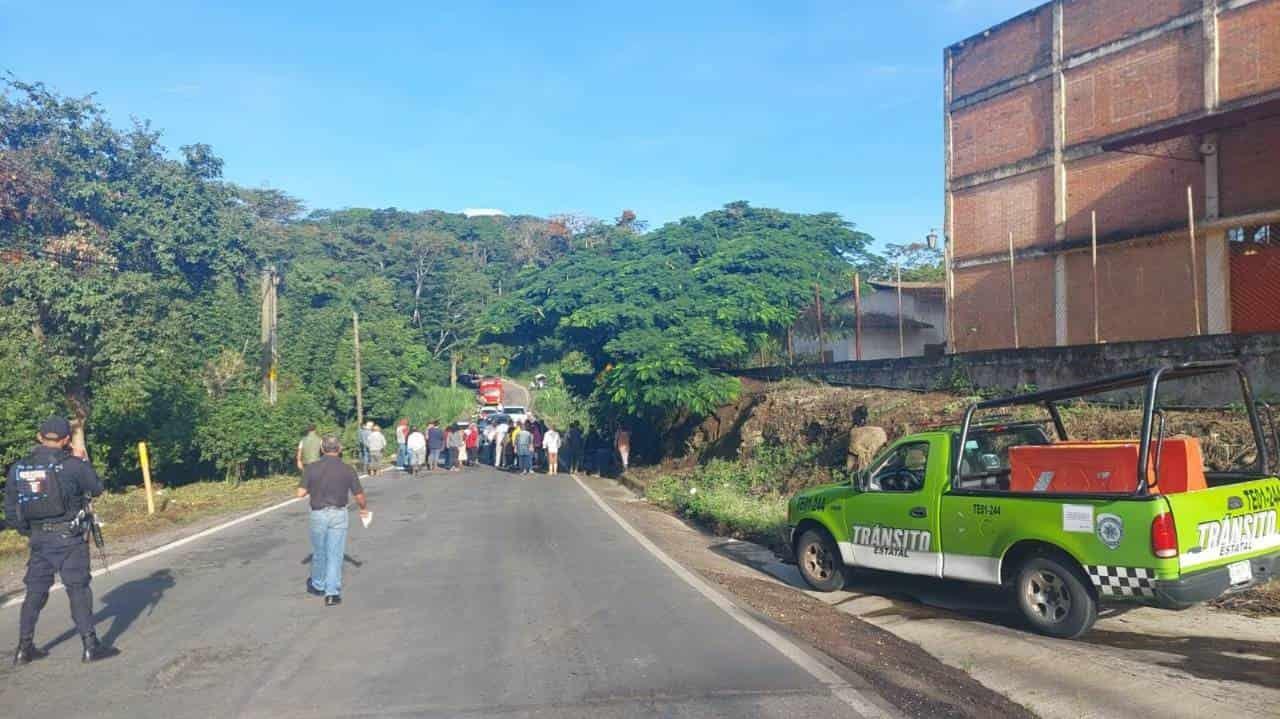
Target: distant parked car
column 469, row 379
column 518, row 414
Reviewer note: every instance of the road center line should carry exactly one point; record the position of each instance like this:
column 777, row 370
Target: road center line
column 838, row 686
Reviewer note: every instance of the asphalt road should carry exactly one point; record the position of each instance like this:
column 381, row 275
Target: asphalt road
column 474, row 594
column 515, row 395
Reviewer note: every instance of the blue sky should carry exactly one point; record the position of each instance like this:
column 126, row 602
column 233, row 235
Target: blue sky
column 668, row 108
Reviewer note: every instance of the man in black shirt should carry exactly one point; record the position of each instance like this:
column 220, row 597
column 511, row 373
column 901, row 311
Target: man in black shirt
column 571, row 453
column 44, row 495
column 330, row 483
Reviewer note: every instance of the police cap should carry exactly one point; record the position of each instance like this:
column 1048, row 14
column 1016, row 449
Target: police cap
column 55, row 428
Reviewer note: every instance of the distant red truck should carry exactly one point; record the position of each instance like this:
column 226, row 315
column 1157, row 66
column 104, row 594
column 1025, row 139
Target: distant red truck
column 490, row 391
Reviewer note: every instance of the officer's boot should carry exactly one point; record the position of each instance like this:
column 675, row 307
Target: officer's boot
column 95, row 650
column 28, row 652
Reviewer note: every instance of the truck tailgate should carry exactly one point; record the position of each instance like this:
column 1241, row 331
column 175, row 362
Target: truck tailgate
column 1222, row 525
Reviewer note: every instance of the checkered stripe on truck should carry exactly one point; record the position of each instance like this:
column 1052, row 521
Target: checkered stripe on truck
column 1122, row 581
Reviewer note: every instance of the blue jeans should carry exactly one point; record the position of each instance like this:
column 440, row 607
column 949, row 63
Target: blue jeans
column 328, row 545
column 526, row 462
column 402, row 455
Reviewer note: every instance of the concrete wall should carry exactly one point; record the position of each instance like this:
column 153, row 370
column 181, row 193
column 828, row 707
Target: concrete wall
column 1031, row 102
column 1010, row 370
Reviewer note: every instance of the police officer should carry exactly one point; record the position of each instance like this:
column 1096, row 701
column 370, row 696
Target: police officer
column 43, row 499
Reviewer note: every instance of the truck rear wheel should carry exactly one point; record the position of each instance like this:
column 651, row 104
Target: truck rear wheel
column 819, row 560
column 1054, row 598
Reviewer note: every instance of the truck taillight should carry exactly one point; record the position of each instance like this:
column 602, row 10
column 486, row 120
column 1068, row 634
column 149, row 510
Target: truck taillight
column 1164, row 537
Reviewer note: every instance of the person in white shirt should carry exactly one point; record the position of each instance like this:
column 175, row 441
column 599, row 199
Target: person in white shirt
column 377, row 444
column 551, row 443
column 417, row 446
column 499, row 443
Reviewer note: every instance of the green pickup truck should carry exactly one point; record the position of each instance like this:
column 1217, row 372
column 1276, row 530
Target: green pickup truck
column 1064, row 524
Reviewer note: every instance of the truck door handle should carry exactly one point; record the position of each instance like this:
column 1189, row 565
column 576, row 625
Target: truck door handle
column 919, row 512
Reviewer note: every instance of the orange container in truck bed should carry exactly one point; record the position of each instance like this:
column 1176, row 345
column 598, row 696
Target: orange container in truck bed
column 1109, row 467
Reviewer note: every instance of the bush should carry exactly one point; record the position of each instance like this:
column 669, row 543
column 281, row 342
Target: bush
column 243, row 435
column 559, row 408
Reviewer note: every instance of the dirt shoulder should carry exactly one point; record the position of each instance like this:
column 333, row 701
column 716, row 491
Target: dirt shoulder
column 908, row 677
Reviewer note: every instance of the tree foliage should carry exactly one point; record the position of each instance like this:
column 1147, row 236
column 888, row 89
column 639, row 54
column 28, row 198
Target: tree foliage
column 918, row 262
column 663, row 315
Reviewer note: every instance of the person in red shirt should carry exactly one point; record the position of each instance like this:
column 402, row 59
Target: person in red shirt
column 473, row 444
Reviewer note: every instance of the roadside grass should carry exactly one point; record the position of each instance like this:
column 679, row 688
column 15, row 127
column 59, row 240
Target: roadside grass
column 745, row 499
column 124, row 514
column 444, row 404
column 559, row 408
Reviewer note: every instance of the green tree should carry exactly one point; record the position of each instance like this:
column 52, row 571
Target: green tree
column 663, row 316
column 919, row 262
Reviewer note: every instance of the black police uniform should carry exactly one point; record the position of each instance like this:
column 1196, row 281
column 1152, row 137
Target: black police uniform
column 57, row 545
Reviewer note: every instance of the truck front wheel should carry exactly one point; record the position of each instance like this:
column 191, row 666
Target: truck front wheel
column 1054, row 599
column 819, row 561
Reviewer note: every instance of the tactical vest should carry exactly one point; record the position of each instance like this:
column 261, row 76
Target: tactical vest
column 42, row 494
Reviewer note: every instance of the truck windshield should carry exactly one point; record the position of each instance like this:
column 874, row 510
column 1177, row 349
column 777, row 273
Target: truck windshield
column 984, row 462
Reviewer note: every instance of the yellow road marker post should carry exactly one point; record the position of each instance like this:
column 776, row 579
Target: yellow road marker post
column 146, row 476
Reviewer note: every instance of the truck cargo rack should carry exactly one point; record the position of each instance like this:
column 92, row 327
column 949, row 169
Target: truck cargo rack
column 1149, row 381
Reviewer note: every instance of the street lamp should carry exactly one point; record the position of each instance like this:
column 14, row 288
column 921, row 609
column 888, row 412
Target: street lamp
column 932, row 238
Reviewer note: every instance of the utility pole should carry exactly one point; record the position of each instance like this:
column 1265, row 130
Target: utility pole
column 817, row 303
column 1195, row 268
column 857, row 316
column 270, row 325
column 1093, row 256
column 1013, row 293
column 902, row 345
column 355, row 325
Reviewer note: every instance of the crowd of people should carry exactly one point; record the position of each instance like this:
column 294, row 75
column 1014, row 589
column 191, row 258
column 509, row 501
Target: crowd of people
column 522, row 447
column 503, row 443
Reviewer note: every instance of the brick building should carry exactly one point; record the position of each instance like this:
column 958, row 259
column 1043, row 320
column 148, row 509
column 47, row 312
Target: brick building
column 1115, row 107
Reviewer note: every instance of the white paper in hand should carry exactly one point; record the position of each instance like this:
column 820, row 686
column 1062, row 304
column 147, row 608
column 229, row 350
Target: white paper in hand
column 366, row 519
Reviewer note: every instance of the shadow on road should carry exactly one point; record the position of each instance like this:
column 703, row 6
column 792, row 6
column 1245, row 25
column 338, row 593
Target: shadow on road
column 347, row 558
column 124, row 604
column 911, row 597
column 1242, row 660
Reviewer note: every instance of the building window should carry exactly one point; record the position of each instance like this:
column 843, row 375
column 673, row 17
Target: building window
column 1262, row 235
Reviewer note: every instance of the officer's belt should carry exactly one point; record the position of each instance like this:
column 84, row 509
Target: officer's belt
column 52, row 527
